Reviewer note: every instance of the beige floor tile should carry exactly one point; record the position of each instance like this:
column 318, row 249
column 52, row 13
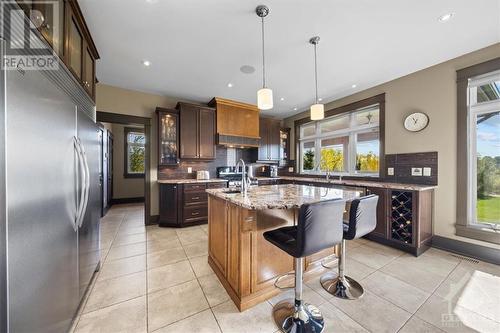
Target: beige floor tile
column 175, row 303
column 337, row 321
column 196, row 249
column 156, row 233
column 391, row 288
column 129, row 239
column 416, row 325
column 192, row 235
column 418, row 277
column 165, row 257
column 450, row 317
column 130, row 230
column 315, row 285
column 204, row 227
column 200, row 266
column 129, row 316
column 159, row 245
column 203, row 322
column 115, row 268
column 309, row 296
column 257, row 319
column 430, row 262
column 213, row 290
column 373, row 312
column 169, row 275
column 369, row 256
column 125, row 251
column 386, row 250
column 112, row 291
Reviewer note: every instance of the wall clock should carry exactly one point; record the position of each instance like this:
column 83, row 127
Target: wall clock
column 416, row 121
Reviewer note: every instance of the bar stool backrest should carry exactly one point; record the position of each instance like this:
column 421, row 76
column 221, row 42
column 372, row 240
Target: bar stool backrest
column 320, row 226
column 362, row 217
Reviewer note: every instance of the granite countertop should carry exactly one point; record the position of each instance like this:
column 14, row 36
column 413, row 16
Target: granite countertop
column 190, row 181
column 282, row 196
column 363, row 183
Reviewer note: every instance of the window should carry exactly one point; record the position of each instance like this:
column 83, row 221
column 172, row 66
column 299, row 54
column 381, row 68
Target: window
column 478, row 152
column 135, row 141
column 484, row 150
column 343, row 144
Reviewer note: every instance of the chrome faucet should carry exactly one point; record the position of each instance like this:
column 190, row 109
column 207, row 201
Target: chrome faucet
column 244, row 180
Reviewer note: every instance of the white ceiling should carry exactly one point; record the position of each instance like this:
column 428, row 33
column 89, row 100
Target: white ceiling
column 198, row 46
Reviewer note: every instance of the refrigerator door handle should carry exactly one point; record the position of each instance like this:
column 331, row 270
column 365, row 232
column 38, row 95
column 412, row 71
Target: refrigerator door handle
column 81, row 165
column 87, row 184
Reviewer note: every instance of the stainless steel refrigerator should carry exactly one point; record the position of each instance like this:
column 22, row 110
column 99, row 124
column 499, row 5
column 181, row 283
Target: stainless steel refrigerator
column 49, row 198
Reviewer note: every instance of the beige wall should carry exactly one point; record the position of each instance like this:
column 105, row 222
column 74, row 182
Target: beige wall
column 123, row 187
column 135, row 103
column 433, row 91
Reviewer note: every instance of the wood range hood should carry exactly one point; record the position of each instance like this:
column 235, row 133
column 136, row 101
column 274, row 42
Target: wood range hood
column 237, row 123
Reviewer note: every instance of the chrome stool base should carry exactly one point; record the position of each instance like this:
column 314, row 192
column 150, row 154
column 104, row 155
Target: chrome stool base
column 345, row 288
column 306, row 319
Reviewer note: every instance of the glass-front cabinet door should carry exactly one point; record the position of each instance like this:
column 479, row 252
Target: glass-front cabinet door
column 168, row 136
column 75, row 47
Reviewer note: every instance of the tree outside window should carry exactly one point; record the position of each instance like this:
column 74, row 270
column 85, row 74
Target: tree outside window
column 135, row 141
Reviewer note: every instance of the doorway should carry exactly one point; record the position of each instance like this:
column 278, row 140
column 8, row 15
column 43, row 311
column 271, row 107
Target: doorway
column 126, row 179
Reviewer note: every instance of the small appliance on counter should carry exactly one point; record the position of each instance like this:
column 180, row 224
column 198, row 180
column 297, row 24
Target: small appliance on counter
column 202, row 175
column 266, row 170
column 233, row 175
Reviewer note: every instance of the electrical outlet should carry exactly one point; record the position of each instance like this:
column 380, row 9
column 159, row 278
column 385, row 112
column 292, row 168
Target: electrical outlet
column 390, row 171
column 427, row 172
column 190, row 169
column 416, row 172
column 290, row 169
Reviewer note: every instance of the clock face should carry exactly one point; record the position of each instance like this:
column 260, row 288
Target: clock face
column 416, row 122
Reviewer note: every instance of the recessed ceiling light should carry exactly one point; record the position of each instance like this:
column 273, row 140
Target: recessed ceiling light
column 320, row 99
column 445, row 17
column 247, row 69
column 294, row 109
column 282, row 99
column 229, row 85
column 146, row 63
column 353, row 86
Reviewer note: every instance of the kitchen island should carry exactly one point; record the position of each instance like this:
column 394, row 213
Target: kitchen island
column 245, row 263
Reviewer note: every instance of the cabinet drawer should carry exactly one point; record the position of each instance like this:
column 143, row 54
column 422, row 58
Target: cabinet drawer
column 191, row 198
column 195, row 187
column 195, row 213
column 217, row 185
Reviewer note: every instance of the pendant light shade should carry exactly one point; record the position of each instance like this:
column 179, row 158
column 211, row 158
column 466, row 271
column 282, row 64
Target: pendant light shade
column 264, row 95
column 317, row 109
column 265, row 99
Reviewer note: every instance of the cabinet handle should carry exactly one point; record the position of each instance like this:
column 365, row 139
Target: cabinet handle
column 195, row 213
column 249, row 219
column 196, row 198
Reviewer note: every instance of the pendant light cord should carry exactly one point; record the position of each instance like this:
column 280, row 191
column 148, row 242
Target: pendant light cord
column 263, row 57
column 316, row 72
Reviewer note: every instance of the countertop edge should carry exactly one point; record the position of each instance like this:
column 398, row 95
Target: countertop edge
column 191, row 181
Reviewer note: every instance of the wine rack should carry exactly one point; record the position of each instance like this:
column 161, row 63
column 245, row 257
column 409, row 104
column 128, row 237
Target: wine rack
column 402, row 228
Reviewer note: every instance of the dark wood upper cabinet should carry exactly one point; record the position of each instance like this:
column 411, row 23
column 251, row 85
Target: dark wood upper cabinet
column 197, row 131
column 269, row 149
column 74, row 46
column 50, row 16
column 168, row 136
column 89, row 74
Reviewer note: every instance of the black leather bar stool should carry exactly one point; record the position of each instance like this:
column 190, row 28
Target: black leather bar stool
column 362, row 221
column 319, row 227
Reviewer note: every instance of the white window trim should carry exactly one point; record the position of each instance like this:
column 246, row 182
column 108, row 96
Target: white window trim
column 352, row 131
column 474, row 110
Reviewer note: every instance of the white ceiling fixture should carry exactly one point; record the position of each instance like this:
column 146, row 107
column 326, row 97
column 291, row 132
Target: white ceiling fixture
column 282, row 99
column 353, row 86
column 204, row 44
column 446, row 17
column 264, row 95
column 295, row 109
column 317, row 109
column 229, row 85
column 146, row 63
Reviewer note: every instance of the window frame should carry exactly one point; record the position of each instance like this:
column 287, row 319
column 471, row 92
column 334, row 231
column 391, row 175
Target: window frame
column 466, row 225
column 126, row 131
column 351, row 132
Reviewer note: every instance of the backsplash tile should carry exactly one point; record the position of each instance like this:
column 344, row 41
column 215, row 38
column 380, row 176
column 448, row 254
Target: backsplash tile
column 403, row 163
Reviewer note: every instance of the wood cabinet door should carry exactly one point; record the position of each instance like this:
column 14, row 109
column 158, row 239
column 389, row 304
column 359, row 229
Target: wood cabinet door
column 189, row 131
column 207, row 133
column 52, row 27
column 264, row 139
column 169, row 203
column 217, row 232
column 382, row 212
column 274, row 140
column 89, row 72
column 74, row 45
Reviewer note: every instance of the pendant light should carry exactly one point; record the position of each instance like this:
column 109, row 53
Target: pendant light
column 317, row 109
column 264, row 95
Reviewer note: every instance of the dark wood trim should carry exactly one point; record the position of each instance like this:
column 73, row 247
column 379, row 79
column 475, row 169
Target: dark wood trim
column 126, row 174
column 121, row 201
column 153, row 219
column 377, row 99
column 124, row 119
column 462, row 212
column 86, row 32
column 475, row 251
